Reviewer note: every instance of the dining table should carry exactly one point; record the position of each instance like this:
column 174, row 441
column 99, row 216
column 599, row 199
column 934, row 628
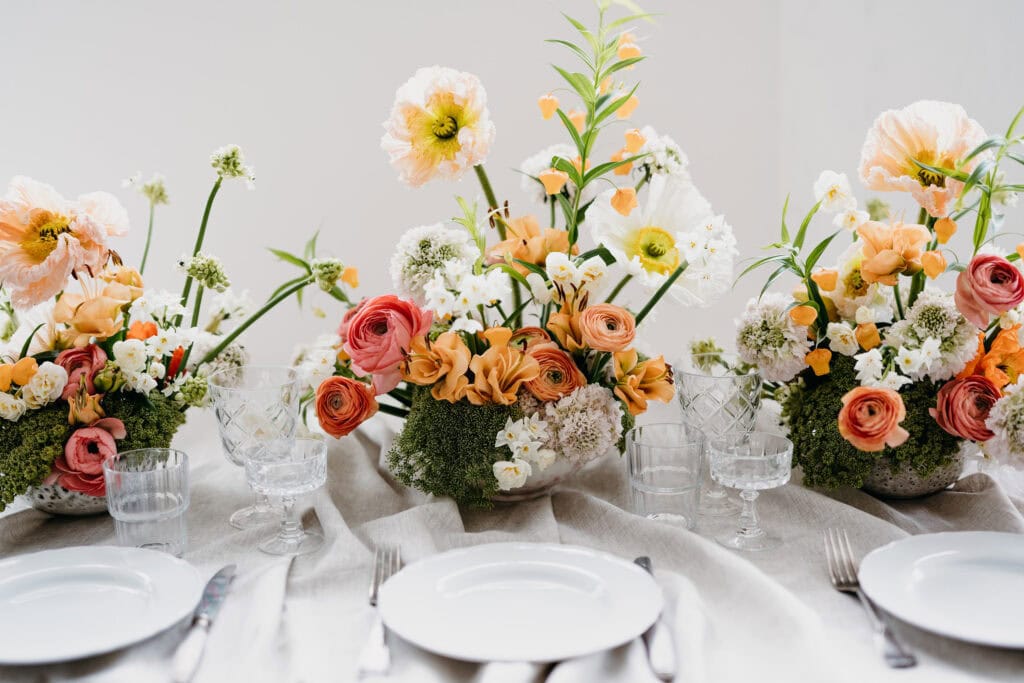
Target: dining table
column 765, row 616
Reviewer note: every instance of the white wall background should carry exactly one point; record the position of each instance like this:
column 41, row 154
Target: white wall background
column 761, row 95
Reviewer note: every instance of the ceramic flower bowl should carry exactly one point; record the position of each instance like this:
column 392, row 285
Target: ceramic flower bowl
column 58, row 500
column 883, row 482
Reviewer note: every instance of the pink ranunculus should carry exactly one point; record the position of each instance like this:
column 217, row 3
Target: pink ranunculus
column 989, row 286
column 870, row 419
column 81, row 362
column 346, row 320
column 81, row 467
column 963, row 406
column 378, row 336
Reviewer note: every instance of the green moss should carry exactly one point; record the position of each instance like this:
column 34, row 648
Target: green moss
column 29, row 446
column 830, row 461
column 447, row 449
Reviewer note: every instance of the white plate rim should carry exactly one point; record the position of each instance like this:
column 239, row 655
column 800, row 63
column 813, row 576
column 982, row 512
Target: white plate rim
column 462, row 655
column 876, row 579
column 186, row 607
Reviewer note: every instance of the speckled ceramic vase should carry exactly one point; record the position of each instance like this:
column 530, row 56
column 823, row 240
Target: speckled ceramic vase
column 58, row 500
column 883, row 482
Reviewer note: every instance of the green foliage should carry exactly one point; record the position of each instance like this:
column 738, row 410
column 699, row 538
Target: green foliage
column 828, row 460
column 29, row 446
column 447, row 449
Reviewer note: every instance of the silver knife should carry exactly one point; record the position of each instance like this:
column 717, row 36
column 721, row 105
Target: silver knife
column 190, row 651
column 661, row 648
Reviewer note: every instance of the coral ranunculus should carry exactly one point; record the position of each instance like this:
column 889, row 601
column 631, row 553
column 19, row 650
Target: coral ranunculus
column 500, row 371
column 870, row 418
column 890, row 250
column 379, row 335
column 990, row 285
column 81, row 467
column 558, row 376
column 963, row 405
column 442, row 363
column 606, row 327
column 342, row 404
column 637, row 382
column 81, row 364
column 934, row 133
column 527, row 242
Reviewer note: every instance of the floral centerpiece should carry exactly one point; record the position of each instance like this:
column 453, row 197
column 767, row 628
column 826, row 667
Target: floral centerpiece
column 505, row 348
column 92, row 361
column 881, row 376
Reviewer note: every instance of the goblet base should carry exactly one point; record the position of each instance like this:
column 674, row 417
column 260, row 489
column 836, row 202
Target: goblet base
column 307, row 542
column 717, row 503
column 255, row 516
column 748, row 542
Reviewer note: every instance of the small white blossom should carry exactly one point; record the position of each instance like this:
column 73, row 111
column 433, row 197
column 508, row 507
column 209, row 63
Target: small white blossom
column 1006, row 421
column 561, row 269
column 833, row 191
column 45, row 387
column 139, row 382
column 865, row 315
column 662, row 155
column 511, row 474
column 467, row 324
column 842, row 339
column 538, row 288
column 425, row 251
column 157, row 370
column 909, row 361
column 229, row 162
column 11, row 407
column 850, row 219
column 768, row 338
column 892, row 381
column 869, row 366
column 130, row 355
column 163, row 343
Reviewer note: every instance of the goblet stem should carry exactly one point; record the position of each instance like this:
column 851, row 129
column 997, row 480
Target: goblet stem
column 261, row 501
column 749, row 524
column 291, row 524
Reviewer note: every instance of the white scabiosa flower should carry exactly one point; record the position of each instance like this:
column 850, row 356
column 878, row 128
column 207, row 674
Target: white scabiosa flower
column 935, row 316
column 662, row 156
column 423, row 251
column 1006, row 421
column 833, row 191
column 768, row 338
column 45, row 387
column 585, row 424
column 439, row 126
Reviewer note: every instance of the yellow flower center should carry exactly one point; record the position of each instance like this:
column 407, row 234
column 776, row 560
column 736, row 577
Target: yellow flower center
column 43, row 233
column 926, row 177
column 446, row 127
column 656, row 250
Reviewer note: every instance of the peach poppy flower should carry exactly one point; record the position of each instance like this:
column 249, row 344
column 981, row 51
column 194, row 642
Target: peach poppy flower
column 527, row 242
column 500, row 371
column 637, row 382
column 934, row 133
column 442, row 363
column 44, row 238
column 558, row 375
column 889, row 250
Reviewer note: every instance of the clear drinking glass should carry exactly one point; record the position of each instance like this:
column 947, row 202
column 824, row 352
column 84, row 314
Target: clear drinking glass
column 666, row 469
column 289, row 468
column 750, row 462
column 718, row 402
column 147, row 494
column 255, row 405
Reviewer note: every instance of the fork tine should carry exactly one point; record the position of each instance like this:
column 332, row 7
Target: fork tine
column 830, row 558
column 378, row 566
column 842, row 561
column 851, row 565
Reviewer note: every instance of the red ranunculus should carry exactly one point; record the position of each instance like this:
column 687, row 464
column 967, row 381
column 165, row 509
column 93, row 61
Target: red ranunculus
column 81, row 362
column 991, row 285
column 378, row 336
column 342, row 404
column 963, row 405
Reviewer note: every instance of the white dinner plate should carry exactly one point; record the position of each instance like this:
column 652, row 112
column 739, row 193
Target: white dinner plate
column 966, row 585
column 59, row 605
column 520, row 602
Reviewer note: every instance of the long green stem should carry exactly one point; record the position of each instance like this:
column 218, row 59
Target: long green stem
column 234, row 334
column 661, row 292
column 149, row 238
column 485, row 183
column 551, row 205
column 392, row 410
column 197, row 305
column 899, row 302
column 199, row 240
column 917, row 280
column 618, row 288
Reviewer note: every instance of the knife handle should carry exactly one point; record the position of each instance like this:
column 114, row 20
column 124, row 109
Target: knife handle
column 190, row 651
column 661, row 651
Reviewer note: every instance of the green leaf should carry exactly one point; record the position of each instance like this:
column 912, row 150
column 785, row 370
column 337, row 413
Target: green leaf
column 620, row 65
column 573, row 133
column 587, row 35
column 310, row 250
column 285, row 286
column 28, row 341
column 601, row 251
column 532, row 267
column 614, row 106
column 986, row 145
column 941, row 170
column 774, row 258
column 773, row 277
column 645, row 16
column 979, row 172
column 798, row 241
column 513, row 273
column 568, row 212
column 1013, row 124
column 567, row 166
column 339, row 294
column 812, row 258
column 580, row 83
column 785, row 230
column 580, row 52
column 290, row 258
column 601, row 169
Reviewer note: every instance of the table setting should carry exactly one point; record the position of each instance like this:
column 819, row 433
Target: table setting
column 487, row 473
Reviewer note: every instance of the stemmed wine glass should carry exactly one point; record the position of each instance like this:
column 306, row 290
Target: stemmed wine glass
column 256, row 406
column 751, row 462
column 718, row 401
column 289, row 468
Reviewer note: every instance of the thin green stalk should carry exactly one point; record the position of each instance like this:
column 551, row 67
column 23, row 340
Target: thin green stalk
column 234, row 334
column 197, row 305
column 618, row 288
column 899, row 302
column 551, row 204
column 199, row 240
column 149, row 238
column 392, row 410
column 485, row 183
column 661, row 292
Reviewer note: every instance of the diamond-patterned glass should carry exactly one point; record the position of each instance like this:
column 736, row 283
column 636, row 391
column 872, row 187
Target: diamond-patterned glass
column 255, row 406
column 719, row 404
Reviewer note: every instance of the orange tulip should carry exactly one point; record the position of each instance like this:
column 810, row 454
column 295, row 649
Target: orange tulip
column 548, row 105
column 867, row 336
column 826, row 278
column 553, row 180
column 803, row 315
column 624, row 200
column 818, row 360
column 934, row 263
column 944, row 229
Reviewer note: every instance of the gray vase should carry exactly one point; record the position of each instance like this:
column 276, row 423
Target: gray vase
column 883, row 482
column 57, row 500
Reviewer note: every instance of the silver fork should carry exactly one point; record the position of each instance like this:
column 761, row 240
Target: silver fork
column 843, row 572
column 375, row 659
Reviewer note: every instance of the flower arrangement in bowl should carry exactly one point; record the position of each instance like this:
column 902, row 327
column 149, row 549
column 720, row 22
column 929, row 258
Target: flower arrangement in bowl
column 883, row 379
column 92, row 362
column 505, row 348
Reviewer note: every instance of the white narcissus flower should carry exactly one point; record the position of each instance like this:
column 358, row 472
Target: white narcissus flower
column 157, row 370
column 561, row 269
column 46, row 386
column 538, row 288
column 465, row 324
column 909, row 361
column 869, row 366
column 439, row 126
column 892, row 381
column 130, row 355
column 163, row 343
column 139, row 382
column 842, row 339
column 511, row 474
column 851, row 219
column 833, row 191
column 11, row 407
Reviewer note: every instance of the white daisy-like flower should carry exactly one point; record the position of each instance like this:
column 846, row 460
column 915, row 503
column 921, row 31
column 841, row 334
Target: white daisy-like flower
column 1006, row 421
column 663, row 156
column 768, row 338
column 439, row 126
column 842, row 339
column 537, row 163
column 423, row 251
column 833, row 191
column 851, row 219
column 909, row 361
column 935, row 316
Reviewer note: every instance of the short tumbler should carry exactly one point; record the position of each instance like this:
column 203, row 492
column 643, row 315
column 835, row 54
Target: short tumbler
column 147, row 494
column 666, row 471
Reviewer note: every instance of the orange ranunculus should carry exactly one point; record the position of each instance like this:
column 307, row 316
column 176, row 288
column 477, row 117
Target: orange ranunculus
column 606, row 327
column 867, row 336
column 624, row 200
column 525, row 338
column 634, row 140
column 527, row 242
column 553, row 180
column 565, row 327
column 870, row 418
column 890, row 250
column 1003, row 363
column 442, row 363
column 500, row 371
column 818, row 360
column 93, row 318
column 944, row 229
column 548, row 105
column 558, row 376
column 826, row 278
column 636, row 382
column 803, row 315
column 342, row 404
column 142, row 330
column 934, row 263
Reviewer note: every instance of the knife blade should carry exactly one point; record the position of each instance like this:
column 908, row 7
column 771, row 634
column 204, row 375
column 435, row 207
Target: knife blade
column 190, row 651
column 661, row 648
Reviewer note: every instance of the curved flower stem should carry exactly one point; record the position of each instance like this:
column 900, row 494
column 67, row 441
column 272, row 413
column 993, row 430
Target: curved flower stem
column 917, row 280
column 899, row 301
column 661, row 292
column 196, row 306
column 618, row 288
column 284, row 294
column 199, row 240
column 499, row 223
column 149, row 238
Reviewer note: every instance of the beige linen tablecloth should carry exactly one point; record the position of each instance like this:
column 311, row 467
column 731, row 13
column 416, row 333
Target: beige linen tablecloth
column 737, row 617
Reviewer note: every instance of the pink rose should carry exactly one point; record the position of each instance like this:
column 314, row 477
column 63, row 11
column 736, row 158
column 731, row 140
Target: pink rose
column 81, row 362
column 963, row 406
column 378, row 335
column 81, row 466
column 991, row 285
